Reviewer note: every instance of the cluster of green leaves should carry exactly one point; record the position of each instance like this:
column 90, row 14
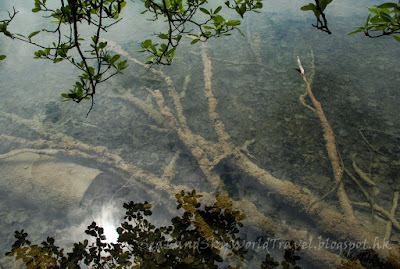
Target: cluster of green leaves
column 318, row 9
column 140, row 244
column 183, row 244
column 3, row 27
column 383, row 20
column 96, row 64
column 179, row 15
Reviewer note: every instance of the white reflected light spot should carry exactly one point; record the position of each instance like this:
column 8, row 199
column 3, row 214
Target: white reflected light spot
column 110, row 232
column 107, row 221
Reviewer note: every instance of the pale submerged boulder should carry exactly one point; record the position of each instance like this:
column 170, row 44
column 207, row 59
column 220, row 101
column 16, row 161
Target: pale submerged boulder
column 44, row 180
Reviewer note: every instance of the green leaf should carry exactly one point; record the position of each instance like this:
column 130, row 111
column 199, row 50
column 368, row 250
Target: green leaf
column 194, row 41
column 395, row 37
column 153, row 48
column 115, row 58
column 62, row 52
column 387, row 5
column 3, row 27
column 242, row 9
column 57, row 60
column 172, row 52
column 2, row 57
column 122, row 65
column 146, row 43
column 258, row 5
column 91, row 70
column 163, row 36
column 367, row 21
column 79, row 92
column 218, row 19
column 309, row 7
column 206, row 34
column 95, row 39
column 233, row 23
column 240, row 31
column 356, row 31
column 33, row 34
column 36, row 9
column 374, row 10
column 205, row 11
column 386, row 17
column 377, row 20
column 217, row 10
column 102, row 45
column 324, row 3
column 7, row 33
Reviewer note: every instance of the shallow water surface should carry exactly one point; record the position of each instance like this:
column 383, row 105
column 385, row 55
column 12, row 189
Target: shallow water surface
column 59, row 170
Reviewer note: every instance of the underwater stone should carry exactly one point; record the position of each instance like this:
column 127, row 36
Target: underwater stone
column 53, row 112
column 47, row 182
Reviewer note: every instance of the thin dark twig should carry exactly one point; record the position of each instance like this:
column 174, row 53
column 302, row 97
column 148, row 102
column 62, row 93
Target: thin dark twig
column 321, row 25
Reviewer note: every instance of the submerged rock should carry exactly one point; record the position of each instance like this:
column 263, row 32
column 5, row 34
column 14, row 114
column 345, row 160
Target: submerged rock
column 44, row 180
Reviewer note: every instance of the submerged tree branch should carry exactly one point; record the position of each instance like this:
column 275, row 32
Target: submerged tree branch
column 331, row 148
